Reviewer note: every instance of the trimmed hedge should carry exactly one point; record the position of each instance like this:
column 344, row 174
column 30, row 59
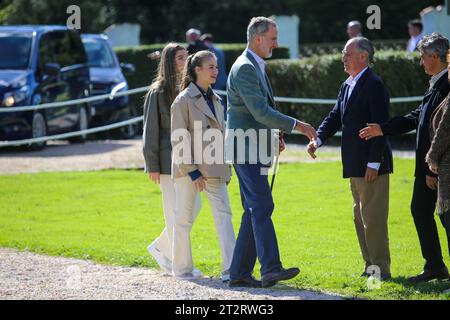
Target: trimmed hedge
column 314, row 77
column 312, row 49
column 322, row 76
column 146, row 68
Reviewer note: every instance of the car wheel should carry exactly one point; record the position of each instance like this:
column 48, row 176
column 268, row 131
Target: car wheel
column 38, row 129
column 83, row 124
column 129, row 131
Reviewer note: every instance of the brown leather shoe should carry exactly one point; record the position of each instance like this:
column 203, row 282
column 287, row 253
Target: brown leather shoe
column 428, row 275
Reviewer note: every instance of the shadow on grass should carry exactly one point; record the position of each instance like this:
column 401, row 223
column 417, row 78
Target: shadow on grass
column 279, row 291
column 431, row 287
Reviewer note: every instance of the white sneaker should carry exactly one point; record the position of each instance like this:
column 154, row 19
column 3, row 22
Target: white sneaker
column 225, row 277
column 159, row 258
column 197, row 272
column 189, row 276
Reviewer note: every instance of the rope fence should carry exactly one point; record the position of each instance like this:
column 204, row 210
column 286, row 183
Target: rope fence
column 139, row 118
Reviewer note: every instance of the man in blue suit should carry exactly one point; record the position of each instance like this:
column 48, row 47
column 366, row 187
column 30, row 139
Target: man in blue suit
column 363, row 98
column 251, row 110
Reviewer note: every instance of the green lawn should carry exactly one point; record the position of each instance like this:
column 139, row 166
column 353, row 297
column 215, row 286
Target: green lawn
column 111, row 217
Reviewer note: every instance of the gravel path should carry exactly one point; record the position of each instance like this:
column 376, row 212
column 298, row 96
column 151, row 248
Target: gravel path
column 25, row 275
column 113, row 154
column 62, row 156
column 30, row 276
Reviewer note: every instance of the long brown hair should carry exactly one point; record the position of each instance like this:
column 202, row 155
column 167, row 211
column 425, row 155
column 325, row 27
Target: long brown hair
column 194, row 60
column 166, row 80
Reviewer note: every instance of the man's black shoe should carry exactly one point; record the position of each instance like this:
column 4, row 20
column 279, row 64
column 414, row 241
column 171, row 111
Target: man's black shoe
column 383, row 276
column 272, row 278
column 364, row 274
column 429, row 275
column 245, row 282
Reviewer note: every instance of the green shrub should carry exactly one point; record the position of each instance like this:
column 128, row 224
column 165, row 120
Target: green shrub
column 312, row 49
column 314, row 77
column 146, row 68
column 234, row 50
column 322, row 76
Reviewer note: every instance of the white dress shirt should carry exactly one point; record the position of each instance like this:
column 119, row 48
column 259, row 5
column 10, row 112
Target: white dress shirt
column 413, row 42
column 351, row 82
column 259, row 60
column 436, row 77
column 262, row 66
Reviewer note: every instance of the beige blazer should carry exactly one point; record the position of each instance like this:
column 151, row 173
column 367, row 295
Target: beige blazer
column 191, row 118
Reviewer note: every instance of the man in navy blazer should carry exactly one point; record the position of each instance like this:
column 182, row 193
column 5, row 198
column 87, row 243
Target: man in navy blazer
column 363, row 98
column 433, row 50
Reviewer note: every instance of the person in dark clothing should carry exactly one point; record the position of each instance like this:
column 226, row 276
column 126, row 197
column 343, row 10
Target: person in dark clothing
column 194, row 42
column 433, row 50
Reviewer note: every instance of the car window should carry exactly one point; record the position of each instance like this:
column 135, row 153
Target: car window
column 15, row 50
column 98, row 52
column 61, row 47
column 77, row 48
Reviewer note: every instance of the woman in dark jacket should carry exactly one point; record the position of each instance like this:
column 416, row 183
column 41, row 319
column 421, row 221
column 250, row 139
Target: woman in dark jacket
column 438, row 157
column 157, row 148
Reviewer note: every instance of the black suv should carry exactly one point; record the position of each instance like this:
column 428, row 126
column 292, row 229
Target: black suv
column 41, row 64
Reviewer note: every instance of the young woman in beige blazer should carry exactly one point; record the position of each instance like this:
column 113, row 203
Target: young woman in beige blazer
column 198, row 113
column 157, row 147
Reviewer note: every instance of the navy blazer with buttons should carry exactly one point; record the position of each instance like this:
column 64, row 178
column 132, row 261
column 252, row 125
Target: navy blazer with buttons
column 369, row 102
column 420, row 119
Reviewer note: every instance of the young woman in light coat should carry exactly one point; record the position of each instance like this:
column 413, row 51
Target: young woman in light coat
column 198, row 162
column 157, row 147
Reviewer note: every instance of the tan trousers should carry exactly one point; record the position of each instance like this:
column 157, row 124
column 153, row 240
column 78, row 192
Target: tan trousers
column 164, row 242
column 371, row 208
column 217, row 194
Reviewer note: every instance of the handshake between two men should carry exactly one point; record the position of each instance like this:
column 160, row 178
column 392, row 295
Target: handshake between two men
column 371, row 131
column 302, row 127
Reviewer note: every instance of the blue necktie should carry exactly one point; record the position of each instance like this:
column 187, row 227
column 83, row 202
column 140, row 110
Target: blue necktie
column 346, row 94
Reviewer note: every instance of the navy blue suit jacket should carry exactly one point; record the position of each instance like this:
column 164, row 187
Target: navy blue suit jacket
column 420, row 119
column 368, row 103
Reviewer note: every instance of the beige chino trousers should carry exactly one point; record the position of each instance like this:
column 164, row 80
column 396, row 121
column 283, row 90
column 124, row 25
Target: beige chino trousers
column 164, row 242
column 217, row 194
column 371, row 208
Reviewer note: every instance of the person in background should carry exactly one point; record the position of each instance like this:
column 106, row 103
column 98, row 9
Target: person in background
column 354, row 29
column 438, row 157
column 194, row 42
column 433, row 50
column 157, row 147
column 196, row 112
column 415, row 28
column 221, row 82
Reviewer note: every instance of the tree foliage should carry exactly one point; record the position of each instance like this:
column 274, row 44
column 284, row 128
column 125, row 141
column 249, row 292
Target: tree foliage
column 167, row 20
